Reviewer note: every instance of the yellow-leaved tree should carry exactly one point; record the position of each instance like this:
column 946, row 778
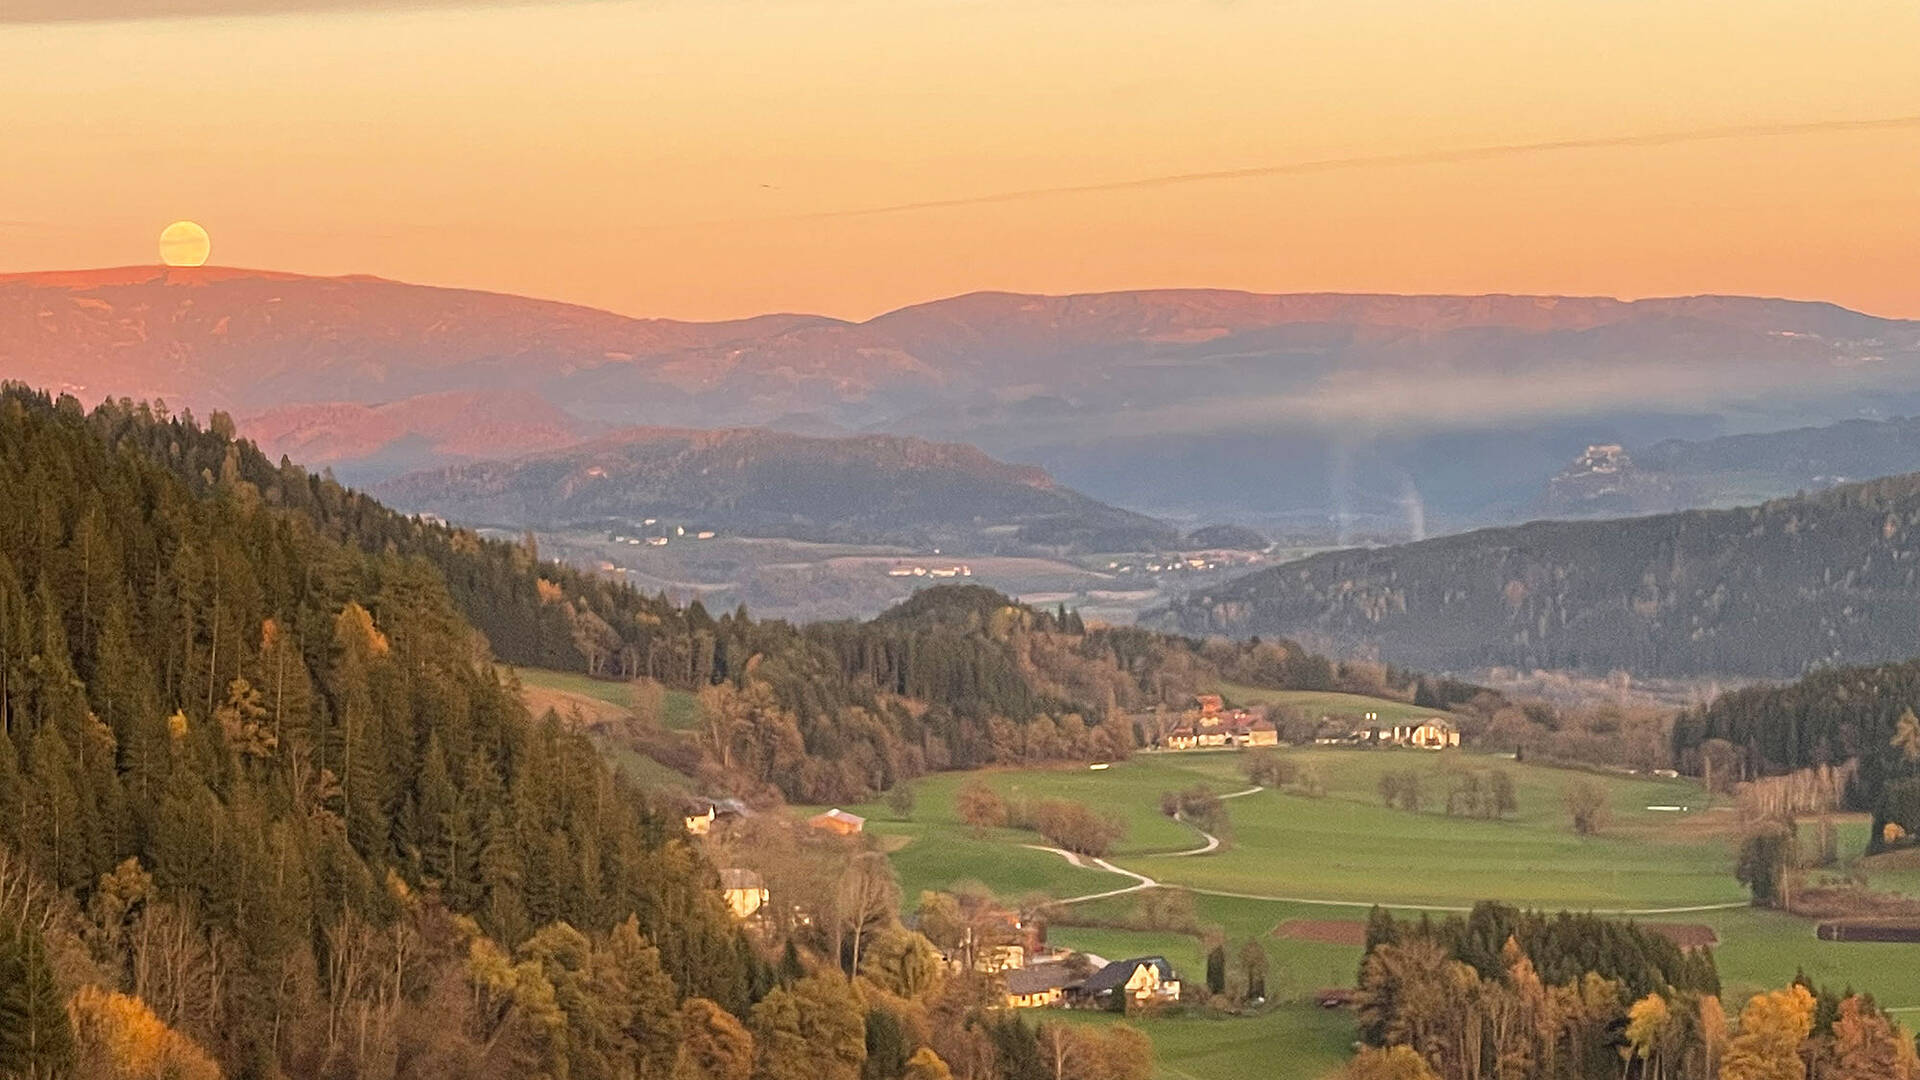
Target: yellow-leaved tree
column 116, row 1037
column 1772, row 1027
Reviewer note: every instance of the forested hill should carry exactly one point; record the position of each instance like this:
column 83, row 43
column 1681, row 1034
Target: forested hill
column 1863, row 714
column 267, row 784
column 1771, row 591
column 755, row 482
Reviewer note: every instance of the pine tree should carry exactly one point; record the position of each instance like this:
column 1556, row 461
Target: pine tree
column 36, row 1038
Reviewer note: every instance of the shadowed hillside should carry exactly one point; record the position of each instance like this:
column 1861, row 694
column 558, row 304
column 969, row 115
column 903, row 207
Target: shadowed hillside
column 1769, row 591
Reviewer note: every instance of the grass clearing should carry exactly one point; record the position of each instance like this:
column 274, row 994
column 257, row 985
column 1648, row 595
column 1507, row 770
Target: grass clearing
column 611, row 691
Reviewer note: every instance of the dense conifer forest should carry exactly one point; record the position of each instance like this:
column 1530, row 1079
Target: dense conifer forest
column 260, row 783
column 1769, row 591
column 1855, row 714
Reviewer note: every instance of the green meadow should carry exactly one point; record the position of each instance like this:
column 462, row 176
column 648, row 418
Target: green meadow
column 1318, row 703
column 1287, row 856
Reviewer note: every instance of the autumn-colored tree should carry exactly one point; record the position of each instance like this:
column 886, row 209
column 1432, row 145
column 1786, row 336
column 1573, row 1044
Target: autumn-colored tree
column 117, row 1037
column 1906, row 736
column 1587, row 806
column 1772, row 1028
column 979, row 807
column 1866, row 1045
column 1649, row 1027
column 1390, row 1063
column 903, row 963
column 926, row 1065
column 1766, row 862
column 866, row 901
column 1123, row 1052
column 713, row 1045
column 815, row 1030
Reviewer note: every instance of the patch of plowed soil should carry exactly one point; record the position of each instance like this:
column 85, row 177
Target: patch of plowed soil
column 1685, row 935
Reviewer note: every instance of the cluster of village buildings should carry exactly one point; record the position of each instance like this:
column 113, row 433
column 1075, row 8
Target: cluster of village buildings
column 660, row 539
column 1209, row 725
column 1034, row 974
column 956, row 570
column 1429, row 733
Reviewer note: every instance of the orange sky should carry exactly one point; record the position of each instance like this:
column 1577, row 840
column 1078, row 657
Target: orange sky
column 660, row 157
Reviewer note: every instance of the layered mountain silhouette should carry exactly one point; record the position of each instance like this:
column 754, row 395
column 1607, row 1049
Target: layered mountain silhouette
column 1357, row 414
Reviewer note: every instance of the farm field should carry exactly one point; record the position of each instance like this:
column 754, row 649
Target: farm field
column 1345, row 846
column 1317, row 703
column 1291, row 857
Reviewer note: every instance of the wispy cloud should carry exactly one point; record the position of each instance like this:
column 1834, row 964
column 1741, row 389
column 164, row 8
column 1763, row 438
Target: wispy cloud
column 72, row 11
column 1412, row 158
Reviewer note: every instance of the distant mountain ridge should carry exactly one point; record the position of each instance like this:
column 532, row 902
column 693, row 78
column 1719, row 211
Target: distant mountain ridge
column 1768, row 591
column 865, row 489
column 1365, row 414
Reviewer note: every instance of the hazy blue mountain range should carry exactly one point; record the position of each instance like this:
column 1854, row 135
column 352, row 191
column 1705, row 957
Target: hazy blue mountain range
column 1337, row 415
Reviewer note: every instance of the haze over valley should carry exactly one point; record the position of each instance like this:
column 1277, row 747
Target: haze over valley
column 914, row 540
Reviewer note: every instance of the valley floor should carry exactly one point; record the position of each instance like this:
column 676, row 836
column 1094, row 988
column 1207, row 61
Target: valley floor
column 1296, row 872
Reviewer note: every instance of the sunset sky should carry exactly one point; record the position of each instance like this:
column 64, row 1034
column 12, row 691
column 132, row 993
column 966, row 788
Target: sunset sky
column 698, row 158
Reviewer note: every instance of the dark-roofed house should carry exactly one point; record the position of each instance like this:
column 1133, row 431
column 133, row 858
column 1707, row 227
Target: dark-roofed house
column 1138, row 981
column 1037, row 986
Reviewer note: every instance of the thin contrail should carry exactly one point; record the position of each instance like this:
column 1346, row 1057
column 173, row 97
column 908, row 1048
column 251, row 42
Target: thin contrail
column 1420, row 157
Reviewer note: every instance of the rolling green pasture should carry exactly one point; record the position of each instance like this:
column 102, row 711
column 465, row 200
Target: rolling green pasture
column 1348, row 851
column 931, row 856
column 1346, row 846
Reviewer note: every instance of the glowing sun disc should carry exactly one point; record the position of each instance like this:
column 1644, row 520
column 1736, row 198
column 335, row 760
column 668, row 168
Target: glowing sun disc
column 185, row 243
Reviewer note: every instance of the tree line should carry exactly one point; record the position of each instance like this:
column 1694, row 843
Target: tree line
column 1502, row 994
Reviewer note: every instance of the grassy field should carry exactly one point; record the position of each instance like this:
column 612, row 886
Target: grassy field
column 571, row 694
column 1346, row 846
column 1318, row 703
column 617, row 694
column 1347, row 851
column 1288, row 1042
